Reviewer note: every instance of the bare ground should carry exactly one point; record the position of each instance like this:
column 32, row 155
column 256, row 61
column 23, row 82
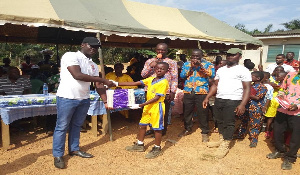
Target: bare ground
column 30, row 153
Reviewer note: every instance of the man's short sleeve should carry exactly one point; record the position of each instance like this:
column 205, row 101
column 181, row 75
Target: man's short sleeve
column 70, row 59
column 217, row 77
column 246, row 75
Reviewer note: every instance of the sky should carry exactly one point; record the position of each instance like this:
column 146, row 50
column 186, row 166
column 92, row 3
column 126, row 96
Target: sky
column 253, row 14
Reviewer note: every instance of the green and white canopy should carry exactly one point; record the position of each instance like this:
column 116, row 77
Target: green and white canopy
column 118, row 21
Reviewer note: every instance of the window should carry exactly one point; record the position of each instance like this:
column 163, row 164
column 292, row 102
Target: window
column 278, row 49
column 273, row 51
column 292, row 48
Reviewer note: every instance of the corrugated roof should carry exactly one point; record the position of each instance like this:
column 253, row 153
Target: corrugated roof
column 279, row 33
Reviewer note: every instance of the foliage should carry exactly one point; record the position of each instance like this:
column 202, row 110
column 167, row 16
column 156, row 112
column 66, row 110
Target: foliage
column 255, row 31
column 292, row 25
column 16, row 52
column 111, row 55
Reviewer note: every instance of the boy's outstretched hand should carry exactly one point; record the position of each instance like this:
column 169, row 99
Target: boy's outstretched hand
column 134, row 106
column 108, row 83
column 115, row 82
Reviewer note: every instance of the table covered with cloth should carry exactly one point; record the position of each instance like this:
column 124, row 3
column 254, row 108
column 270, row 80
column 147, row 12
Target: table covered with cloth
column 13, row 107
column 16, row 107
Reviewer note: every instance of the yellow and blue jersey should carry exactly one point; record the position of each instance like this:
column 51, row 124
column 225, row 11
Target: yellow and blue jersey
column 153, row 113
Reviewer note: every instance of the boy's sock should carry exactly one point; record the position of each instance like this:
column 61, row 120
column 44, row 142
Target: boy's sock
column 140, row 142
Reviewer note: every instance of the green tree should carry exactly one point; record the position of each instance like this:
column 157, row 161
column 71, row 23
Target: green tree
column 268, row 28
column 292, row 25
column 242, row 28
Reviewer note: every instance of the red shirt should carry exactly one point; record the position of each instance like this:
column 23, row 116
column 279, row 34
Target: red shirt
column 295, row 64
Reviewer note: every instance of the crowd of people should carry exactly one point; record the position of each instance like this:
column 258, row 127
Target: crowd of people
column 239, row 98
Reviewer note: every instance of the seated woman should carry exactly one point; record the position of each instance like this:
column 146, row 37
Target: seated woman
column 118, row 76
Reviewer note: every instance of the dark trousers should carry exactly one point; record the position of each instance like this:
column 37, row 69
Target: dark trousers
column 225, row 116
column 190, row 101
column 283, row 122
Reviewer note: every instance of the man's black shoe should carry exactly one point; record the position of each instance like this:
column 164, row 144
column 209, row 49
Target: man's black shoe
column 184, row 133
column 59, row 162
column 81, row 154
column 275, row 155
column 149, row 132
column 83, row 130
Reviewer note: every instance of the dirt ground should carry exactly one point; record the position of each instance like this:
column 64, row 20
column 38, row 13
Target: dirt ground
column 30, row 153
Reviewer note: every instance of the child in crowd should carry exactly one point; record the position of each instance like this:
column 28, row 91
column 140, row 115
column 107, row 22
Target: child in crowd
column 267, row 99
column 254, row 110
column 271, row 111
column 275, row 83
column 154, row 109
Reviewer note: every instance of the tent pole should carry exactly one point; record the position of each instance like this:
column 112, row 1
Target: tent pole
column 260, row 56
column 101, row 57
column 103, row 76
column 57, row 56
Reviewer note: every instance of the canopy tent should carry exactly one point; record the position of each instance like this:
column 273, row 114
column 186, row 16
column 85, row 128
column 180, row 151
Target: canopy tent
column 120, row 22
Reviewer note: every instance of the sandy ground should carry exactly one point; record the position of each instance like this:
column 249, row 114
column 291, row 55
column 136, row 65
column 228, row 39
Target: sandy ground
column 30, row 153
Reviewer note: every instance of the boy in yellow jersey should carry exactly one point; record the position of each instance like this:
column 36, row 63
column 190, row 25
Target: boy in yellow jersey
column 154, row 109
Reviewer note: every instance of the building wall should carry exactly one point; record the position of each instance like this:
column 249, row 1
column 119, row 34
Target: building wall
column 254, row 55
column 276, row 41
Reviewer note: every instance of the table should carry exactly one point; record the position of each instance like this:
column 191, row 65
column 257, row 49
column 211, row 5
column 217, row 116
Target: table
column 13, row 108
column 16, row 107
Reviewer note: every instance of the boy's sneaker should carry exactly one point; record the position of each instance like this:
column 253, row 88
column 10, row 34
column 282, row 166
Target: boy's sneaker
column 136, row 148
column 286, row 165
column 156, row 151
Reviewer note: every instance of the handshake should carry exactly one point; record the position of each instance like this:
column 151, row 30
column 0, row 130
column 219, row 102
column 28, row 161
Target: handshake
column 110, row 83
column 134, row 106
column 115, row 82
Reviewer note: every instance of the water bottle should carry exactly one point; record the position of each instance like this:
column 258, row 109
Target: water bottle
column 45, row 89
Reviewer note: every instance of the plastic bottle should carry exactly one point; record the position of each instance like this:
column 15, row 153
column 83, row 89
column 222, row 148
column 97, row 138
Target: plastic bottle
column 45, row 89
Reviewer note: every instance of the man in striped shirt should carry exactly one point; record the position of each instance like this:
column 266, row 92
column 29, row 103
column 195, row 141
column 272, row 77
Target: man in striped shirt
column 14, row 83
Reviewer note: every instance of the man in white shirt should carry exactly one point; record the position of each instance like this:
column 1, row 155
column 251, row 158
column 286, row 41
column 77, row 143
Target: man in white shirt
column 77, row 71
column 279, row 62
column 232, row 85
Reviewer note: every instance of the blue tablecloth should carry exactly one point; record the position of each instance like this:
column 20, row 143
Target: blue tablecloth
column 13, row 108
column 23, row 106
